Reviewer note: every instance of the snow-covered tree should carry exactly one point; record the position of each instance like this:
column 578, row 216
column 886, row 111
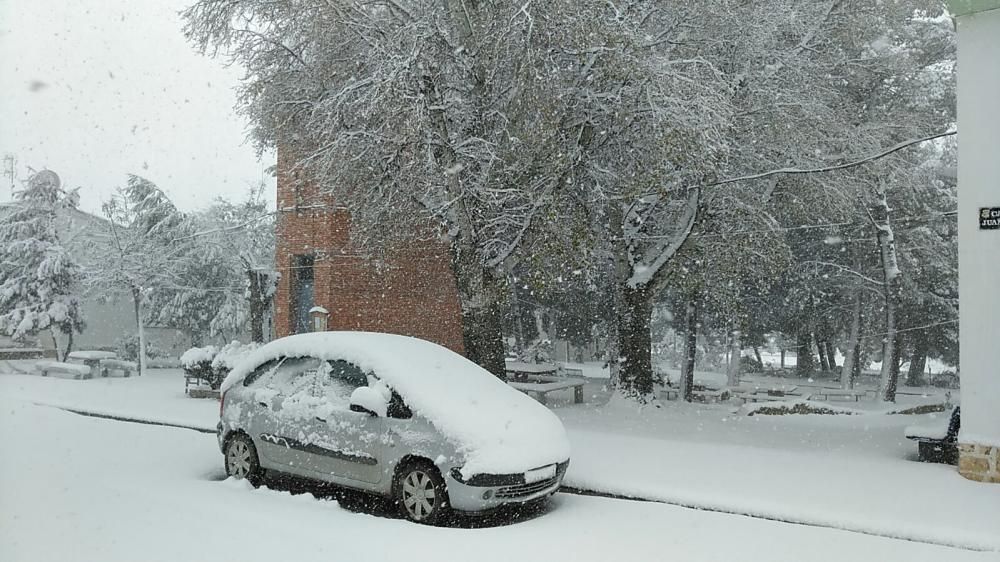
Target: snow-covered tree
column 139, row 254
column 467, row 115
column 227, row 275
column 39, row 279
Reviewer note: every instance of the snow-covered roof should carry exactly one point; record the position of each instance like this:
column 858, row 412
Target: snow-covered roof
column 497, row 428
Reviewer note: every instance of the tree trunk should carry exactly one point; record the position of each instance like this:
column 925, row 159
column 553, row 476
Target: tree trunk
column 918, row 360
column 258, row 304
column 831, row 355
column 735, row 350
column 137, row 302
column 862, row 359
column 824, row 365
column 756, row 355
column 782, row 356
column 690, row 349
column 897, row 356
column 853, row 344
column 481, row 292
column 890, row 292
column 804, row 362
column 69, row 345
column 519, row 344
column 635, row 342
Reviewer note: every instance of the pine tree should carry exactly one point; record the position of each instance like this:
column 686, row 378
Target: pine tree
column 38, row 276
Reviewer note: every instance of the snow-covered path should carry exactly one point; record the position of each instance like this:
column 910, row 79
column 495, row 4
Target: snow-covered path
column 87, row 489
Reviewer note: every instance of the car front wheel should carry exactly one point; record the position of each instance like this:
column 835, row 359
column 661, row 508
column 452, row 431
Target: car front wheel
column 421, row 494
column 242, row 461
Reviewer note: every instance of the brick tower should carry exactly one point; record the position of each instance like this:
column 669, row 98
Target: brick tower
column 413, row 294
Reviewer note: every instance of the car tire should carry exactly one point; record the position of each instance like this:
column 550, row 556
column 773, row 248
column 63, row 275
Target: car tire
column 242, row 461
column 421, row 494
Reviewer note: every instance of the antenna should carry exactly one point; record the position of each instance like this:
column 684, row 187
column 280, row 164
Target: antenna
column 10, row 170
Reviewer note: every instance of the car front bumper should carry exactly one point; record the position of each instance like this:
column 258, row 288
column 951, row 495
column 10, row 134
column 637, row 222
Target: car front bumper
column 474, row 496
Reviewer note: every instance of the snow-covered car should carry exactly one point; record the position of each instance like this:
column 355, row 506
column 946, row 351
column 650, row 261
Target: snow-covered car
column 393, row 415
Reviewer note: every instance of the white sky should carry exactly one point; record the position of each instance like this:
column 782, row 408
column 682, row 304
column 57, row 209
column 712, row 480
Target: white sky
column 117, row 90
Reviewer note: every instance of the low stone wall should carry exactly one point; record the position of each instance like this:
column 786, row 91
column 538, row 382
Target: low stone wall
column 979, row 462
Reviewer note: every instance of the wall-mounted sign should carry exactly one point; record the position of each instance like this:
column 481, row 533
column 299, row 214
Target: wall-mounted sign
column 989, row 218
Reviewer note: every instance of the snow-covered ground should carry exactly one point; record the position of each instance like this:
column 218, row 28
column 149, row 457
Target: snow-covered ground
column 113, row 491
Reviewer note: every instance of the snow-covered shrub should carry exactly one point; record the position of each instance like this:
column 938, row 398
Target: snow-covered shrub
column 800, row 407
column 230, row 355
column 197, row 362
column 127, row 348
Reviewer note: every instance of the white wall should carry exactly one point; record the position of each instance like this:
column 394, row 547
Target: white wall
column 979, row 250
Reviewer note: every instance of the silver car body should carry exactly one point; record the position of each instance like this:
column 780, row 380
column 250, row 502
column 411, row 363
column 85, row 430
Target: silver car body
column 297, row 411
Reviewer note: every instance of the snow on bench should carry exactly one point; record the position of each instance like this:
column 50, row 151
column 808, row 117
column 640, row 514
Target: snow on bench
column 92, row 355
column 937, row 443
column 520, row 371
column 126, row 367
column 78, row 371
column 943, row 430
column 547, row 385
column 828, row 393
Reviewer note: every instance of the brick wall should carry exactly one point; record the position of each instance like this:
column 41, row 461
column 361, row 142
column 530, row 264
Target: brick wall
column 412, row 293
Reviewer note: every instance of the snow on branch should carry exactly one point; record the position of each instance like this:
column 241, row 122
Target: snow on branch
column 845, row 166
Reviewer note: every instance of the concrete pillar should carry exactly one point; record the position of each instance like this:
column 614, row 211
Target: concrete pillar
column 979, row 245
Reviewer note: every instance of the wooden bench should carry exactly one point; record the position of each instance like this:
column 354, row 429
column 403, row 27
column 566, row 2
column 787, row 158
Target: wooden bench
column 667, row 391
column 521, row 371
column 126, row 367
column 758, row 397
column 193, row 382
column 936, row 446
column 78, row 371
column 543, row 387
column 828, row 393
column 707, row 395
column 569, row 371
column 163, row 363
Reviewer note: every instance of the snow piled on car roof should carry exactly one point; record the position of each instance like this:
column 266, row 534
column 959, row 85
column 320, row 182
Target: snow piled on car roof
column 498, row 429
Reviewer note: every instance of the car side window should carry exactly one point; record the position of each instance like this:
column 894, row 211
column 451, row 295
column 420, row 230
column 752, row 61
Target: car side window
column 260, row 371
column 340, row 379
column 290, row 376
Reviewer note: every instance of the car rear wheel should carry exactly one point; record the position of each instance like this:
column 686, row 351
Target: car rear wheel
column 421, row 494
column 242, row 461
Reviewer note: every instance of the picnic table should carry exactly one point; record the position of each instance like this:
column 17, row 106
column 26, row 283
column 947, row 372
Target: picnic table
column 92, row 359
column 540, row 386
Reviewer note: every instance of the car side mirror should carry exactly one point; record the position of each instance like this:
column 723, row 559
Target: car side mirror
column 370, row 401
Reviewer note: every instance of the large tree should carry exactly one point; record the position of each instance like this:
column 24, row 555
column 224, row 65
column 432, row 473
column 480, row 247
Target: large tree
column 467, row 115
column 39, row 279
